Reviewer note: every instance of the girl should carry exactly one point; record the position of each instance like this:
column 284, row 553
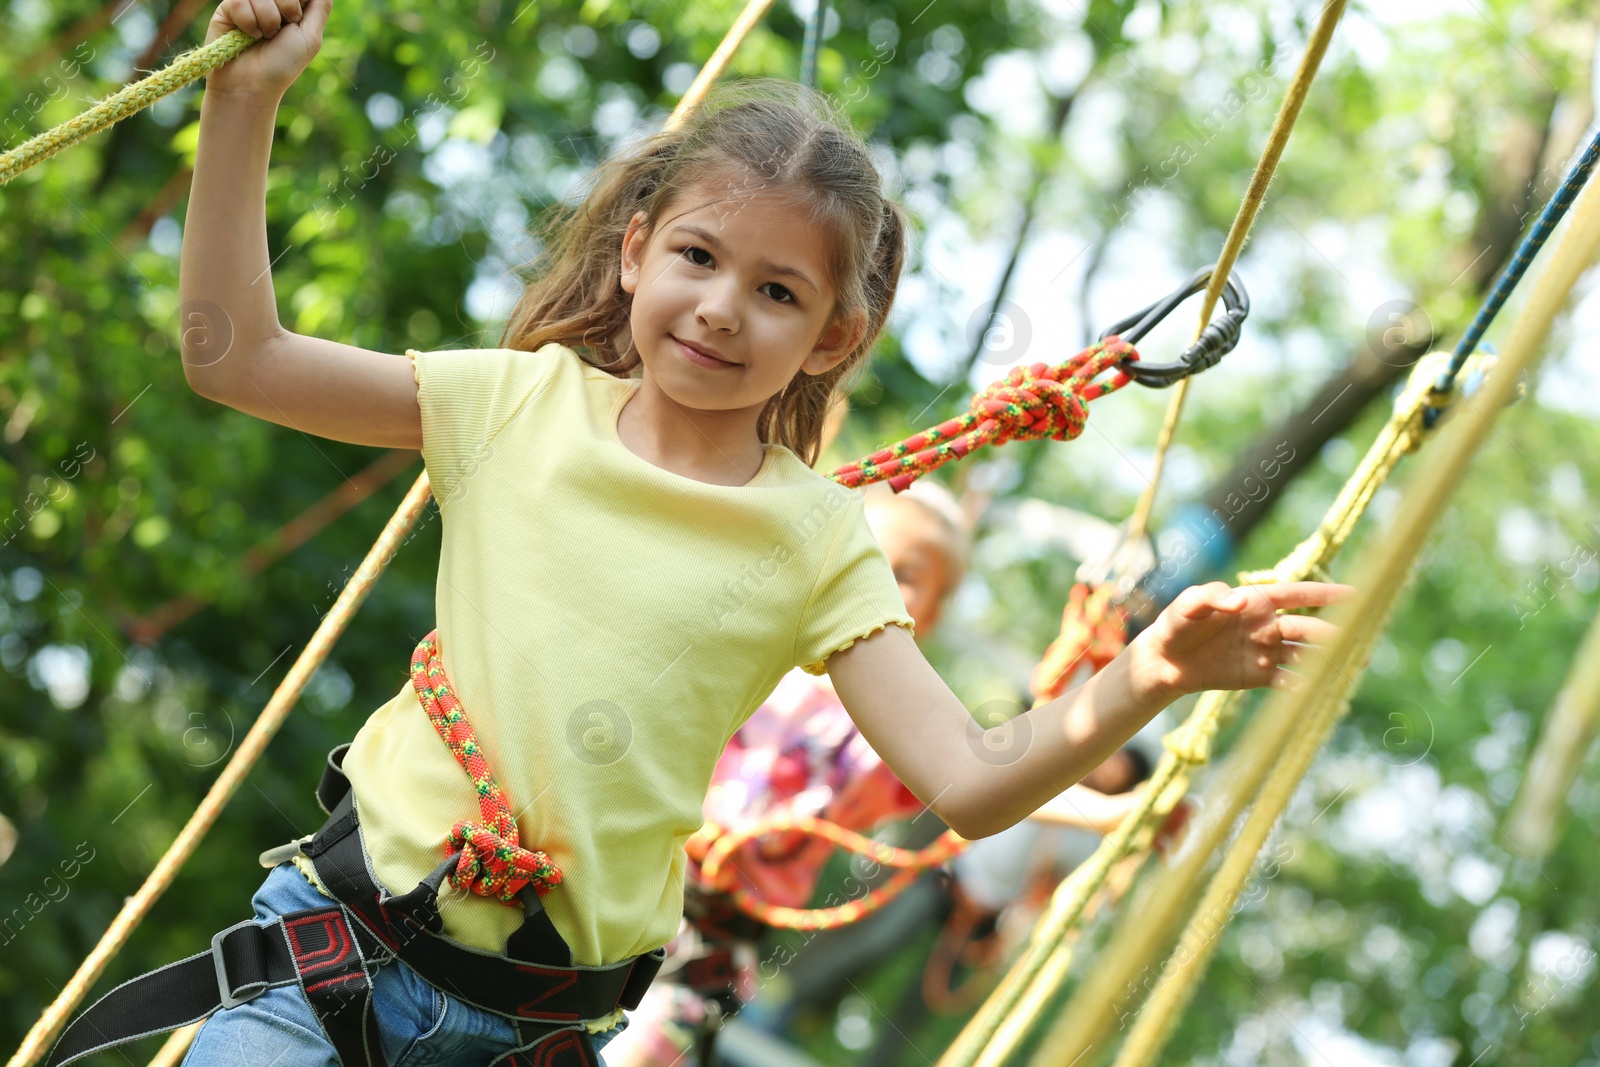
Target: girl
column 636, row 549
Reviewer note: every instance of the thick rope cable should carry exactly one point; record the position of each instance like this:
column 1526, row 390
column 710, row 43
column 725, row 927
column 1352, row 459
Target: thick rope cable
column 1149, row 924
column 1189, row 746
column 187, row 68
column 1089, row 1016
column 1320, row 701
column 978, row 1043
column 1564, row 741
column 1255, row 195
column 754, row 11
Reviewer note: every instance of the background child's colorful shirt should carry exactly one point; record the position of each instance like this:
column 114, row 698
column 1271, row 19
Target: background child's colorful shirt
column 801, row 754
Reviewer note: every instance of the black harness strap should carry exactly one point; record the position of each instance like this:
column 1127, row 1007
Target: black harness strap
column 327, row 952
column 316, row 948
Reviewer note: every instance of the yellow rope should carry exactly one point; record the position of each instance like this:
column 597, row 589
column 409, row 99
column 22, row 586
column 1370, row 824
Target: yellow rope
column 187, row 68
column 981, row 1043
column 1189, row 746
column 1563, row 743
column 175, row 1046
column 1254, row 195
column 190, row 66
column 1318, row 704
column 1146, row 926
column 752, row 14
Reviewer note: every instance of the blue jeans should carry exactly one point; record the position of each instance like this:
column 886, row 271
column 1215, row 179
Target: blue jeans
column 417, row 1024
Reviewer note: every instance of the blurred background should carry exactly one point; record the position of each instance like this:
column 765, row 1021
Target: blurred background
column 163, row 558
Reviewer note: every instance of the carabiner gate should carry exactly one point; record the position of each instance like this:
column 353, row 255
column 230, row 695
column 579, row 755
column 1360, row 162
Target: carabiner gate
column 1215, row 341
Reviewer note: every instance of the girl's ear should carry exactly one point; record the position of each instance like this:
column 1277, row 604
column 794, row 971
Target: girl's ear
column 838, row 340
column 633, row 243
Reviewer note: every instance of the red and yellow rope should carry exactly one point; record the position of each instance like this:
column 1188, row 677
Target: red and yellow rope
column 493, row 862
column 713, row 847
column 1031, row 402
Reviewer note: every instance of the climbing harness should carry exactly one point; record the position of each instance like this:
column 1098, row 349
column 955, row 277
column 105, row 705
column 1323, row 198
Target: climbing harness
column 327, row 951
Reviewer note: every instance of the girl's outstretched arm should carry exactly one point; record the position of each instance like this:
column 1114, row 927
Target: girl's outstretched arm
column 980, row 781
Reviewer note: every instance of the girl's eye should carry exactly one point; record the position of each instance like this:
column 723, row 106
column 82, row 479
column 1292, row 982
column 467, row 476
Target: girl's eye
column 786, row 298
column 688, row 253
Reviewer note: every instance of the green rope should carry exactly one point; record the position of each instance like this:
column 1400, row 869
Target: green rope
column 191, row 66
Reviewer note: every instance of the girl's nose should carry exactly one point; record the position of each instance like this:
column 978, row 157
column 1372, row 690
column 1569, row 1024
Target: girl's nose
column 718, row 307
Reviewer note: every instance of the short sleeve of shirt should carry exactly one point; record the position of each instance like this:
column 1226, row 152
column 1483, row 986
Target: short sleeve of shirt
column 856, row 594
column 467, row 397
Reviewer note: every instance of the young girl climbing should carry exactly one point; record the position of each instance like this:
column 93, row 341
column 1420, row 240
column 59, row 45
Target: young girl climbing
column 635, row 550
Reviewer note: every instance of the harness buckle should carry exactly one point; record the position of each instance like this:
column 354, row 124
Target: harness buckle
column 224, row 986
column 283, row 853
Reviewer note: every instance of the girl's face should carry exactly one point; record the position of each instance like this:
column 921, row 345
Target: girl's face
column 740, row 275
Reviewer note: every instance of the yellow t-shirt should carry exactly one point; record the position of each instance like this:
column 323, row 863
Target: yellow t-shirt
column 607, row 625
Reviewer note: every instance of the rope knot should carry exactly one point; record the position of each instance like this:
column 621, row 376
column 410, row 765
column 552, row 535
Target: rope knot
column 493, row 866
column 1029, row 404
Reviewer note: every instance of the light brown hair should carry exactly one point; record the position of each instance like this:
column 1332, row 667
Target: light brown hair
column 756, row 133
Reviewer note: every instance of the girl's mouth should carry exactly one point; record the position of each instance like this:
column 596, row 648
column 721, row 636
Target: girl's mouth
column 698, row 357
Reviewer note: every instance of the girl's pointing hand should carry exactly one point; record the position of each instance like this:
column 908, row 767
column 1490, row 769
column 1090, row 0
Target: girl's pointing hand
column 1214, row 636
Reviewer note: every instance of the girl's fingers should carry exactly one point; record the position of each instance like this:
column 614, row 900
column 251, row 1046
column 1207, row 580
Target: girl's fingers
column 244, row 17
column 1307, row 629
column 1303, row 594
column 267, row 16
column 1198, row 601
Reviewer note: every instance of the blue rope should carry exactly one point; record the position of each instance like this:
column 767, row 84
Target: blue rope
column 813, row 44
column 1552, row 214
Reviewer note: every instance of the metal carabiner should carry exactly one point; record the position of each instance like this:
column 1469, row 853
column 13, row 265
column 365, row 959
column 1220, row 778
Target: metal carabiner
column 1215, row 341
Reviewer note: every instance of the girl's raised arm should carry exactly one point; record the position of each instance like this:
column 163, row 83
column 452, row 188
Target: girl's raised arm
column 234, row 349
column 981, row 781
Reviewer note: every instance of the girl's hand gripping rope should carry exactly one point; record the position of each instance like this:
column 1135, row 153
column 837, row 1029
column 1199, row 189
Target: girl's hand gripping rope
column 291, row 35
column 1216, row 637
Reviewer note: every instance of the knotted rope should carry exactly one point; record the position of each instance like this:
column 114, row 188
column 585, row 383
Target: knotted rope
column 1030, row 403
column 493, row 862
